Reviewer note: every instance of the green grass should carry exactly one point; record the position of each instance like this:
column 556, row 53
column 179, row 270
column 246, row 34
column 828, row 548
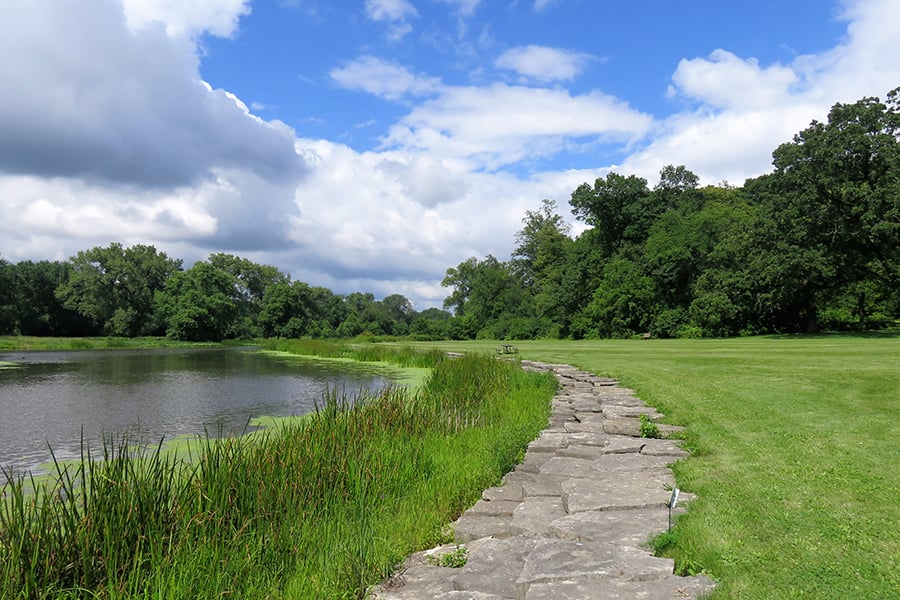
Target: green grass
column 24, row 342
column 318, row 507
column 796, row 461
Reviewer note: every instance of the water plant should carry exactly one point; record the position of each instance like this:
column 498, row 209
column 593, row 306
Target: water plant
column 320, row 507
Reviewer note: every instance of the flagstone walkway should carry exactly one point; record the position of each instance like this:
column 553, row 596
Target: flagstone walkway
column 570, row 521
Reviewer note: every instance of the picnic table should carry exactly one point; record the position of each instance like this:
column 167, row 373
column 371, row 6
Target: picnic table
column 507, row 349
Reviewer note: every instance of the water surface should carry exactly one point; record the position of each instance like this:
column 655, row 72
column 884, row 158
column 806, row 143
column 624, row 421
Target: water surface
column 51, row 397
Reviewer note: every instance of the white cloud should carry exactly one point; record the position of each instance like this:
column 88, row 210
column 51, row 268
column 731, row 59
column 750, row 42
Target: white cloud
column 726, row 81
column 218, row 17
column 540, row 5
column 542, row 63
column 747, row 109
column 498, row 125
column 394, row 12
column 382, row 78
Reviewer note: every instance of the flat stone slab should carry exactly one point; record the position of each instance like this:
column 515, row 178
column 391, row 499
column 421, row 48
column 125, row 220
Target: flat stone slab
column 561, row 560
column 493, row 508
column 475, row 527
column 624, row 444
column 655, row 447
column 618, row 490
column 670, row 588
column 581, row 451
column 513, row 493
column 494, row 566
column 536, row 514
column 567, row 467
column 622, row 426
column 621, row 527
column 535, row 484
column 630, row 462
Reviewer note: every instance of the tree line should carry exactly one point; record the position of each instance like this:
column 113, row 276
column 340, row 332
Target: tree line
column 813, row 245
column 139, row 291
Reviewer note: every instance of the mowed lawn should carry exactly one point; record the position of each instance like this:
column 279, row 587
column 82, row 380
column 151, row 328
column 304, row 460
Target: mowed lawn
column 796, row 460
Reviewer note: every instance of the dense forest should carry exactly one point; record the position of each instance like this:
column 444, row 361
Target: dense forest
column 813, row 245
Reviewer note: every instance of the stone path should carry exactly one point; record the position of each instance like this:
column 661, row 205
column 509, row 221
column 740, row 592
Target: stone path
column 569, row 522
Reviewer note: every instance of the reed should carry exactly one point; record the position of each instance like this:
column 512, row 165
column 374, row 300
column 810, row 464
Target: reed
column 320, row 507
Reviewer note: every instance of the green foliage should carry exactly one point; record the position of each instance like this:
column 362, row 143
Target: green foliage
column 114, row 287
column 648, row 429
column 454, row 559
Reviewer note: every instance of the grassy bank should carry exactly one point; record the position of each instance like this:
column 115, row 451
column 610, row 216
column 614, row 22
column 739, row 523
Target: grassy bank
column 12, row 343
column 319, row 507
column 797, row 455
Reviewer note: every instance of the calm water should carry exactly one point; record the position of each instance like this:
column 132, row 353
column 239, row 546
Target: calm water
column 53, row 396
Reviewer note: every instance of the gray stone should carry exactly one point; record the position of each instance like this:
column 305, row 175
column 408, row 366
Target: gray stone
column 567, row 467
column 534, row 484
column 533, row 461
column 617, row 490
column 562, row 560
column 577, row 427
column 614, row 410
column 494, row 566
column 630, row 462
column 493, row 508
column 507, row 492
column 458, row 595
column 624, row 444
column 622, row 527
column 537, row 513
column 475, row 527
column 581, row 451
column 655, row 447
column 622, row 426
column 670, row 588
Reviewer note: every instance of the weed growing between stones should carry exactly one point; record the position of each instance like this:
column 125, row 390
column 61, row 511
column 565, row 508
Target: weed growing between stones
column 649, row 429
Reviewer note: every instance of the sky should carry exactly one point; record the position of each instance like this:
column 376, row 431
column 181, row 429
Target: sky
column 370, row 145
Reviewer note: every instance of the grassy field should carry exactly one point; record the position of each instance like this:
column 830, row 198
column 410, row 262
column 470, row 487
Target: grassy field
column 796, row 461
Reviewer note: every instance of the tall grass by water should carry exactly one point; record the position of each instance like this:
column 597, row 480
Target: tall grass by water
column 796, row 455
column 319, row 507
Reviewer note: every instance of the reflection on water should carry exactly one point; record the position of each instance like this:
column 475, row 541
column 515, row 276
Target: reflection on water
column 54, row 396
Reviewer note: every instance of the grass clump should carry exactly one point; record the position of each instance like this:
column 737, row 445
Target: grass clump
column 320, row 507
column 649, row 429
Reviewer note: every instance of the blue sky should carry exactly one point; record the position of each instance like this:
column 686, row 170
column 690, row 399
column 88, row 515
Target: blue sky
column 369, row 145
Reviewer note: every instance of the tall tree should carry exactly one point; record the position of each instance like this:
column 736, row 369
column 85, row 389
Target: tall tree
column 114, row 287
column 198, row 304
column 836, row 200
column 614, row 207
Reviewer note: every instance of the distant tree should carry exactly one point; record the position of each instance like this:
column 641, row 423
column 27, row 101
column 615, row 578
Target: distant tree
column 114, row 287
column 198, row 304
column 251, row 280
column 541, row 259
column 8, row 309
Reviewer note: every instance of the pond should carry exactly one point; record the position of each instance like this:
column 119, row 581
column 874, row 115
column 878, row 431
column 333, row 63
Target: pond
column 51, row 399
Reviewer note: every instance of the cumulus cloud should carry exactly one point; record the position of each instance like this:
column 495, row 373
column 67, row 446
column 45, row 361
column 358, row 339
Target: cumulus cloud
column 488, row 127
column 400, row 221
column 383, row 78
column 743, row 110
column 82, row 96
column 218, row 17
column 542, row 63
column 109, row 133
